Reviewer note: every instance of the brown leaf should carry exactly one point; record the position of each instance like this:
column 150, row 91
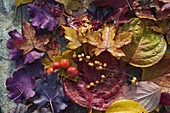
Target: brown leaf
column 53, row 48
column 106, row 40
column 157, row 70
column 163, row 82
column 31, row 41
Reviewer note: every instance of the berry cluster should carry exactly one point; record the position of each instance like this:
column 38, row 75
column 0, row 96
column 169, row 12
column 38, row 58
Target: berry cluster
column 52, row 9
column 97, row 64
column 72, row 71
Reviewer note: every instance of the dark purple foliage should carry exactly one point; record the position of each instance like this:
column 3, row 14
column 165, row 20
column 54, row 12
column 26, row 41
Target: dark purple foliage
column 165, row 98
column 32, row 56
column 21, row 85
column 50, row 91
column 43, row 15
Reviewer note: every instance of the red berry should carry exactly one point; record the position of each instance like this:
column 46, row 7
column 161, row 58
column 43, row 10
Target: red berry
column 72, row 72
column 49, row 70
column 56, row 65
column 64, row 63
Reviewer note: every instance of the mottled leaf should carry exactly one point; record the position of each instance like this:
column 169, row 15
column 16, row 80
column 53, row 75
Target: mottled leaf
column 147, row 47
column 146, row 93
column 19, row 2
column 102, row 94
column 125, row 106
column 107, row 40
column 31, row 41
column 157, row 70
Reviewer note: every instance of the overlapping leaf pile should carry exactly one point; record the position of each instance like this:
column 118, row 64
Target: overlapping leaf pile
column 101, row 39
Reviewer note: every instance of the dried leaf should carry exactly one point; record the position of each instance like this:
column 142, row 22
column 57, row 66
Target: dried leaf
column 163, row 82
column 31, row 41
column 147, row 47
column 126, row 106
column 157, row 70
column 106, row 40
column 19, row 2
column 75, row 39
column 146, row 93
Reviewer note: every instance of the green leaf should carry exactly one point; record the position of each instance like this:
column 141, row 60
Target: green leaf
column 146, row 48
column 126, row 106
column 157, row 70
column 69, row 5
column 19, row 2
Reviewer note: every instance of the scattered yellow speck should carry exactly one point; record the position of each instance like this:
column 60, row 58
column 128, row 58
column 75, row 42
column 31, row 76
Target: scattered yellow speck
column 96, row 81
column 103, row 76
column 88, row 86
column 88, row 57
column 91, row 84
column 82, row 55
column 90, row 64
column 79, row 56
column 80, row 59
column 105, row 65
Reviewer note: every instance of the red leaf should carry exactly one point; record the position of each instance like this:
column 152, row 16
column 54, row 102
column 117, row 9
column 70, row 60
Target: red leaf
column 103, row 94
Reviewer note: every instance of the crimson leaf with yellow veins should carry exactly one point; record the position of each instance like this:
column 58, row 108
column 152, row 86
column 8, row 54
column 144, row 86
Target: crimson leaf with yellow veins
column 107, row 40
column 31, row 41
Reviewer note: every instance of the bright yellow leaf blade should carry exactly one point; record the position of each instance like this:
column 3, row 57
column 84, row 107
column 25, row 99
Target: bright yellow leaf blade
column 126, row 106
column 18, row 2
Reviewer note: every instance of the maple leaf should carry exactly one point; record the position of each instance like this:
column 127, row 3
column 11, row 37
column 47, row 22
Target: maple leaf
column 106, row 40
column 76, row 38
column 31, row 41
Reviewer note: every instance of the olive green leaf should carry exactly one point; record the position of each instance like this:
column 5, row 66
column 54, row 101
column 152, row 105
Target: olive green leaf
column 18, row 2
column 146, row 48
column 69, row 5
column 126, row 106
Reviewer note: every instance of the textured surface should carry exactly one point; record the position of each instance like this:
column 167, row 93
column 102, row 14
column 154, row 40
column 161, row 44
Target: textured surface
column 6, row 66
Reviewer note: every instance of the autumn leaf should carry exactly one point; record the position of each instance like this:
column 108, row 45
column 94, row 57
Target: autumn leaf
column 163, row 82
column 157, row 70
column 31, row 41
column 146, row 93
column 107, row 40
column 75, row 39
column 53, row 48
column 19, row 2
column 147, row 47
column 70, row 5
column 125, row 106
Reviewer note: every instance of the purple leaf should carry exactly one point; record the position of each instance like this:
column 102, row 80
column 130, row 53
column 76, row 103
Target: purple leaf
column 146, row 93
column 102, row 94
column 15, row 36
column 42, row 17
column 21, row 85
column 165, row 98
column 50, row 91
column 32, row 56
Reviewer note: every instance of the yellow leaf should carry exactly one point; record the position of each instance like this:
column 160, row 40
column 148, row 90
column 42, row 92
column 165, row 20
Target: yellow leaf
column 18, row 2
column 126, row 106
column 74, row 38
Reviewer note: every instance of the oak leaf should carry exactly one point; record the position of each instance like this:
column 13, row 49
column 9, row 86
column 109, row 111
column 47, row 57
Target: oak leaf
column 31, row 41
